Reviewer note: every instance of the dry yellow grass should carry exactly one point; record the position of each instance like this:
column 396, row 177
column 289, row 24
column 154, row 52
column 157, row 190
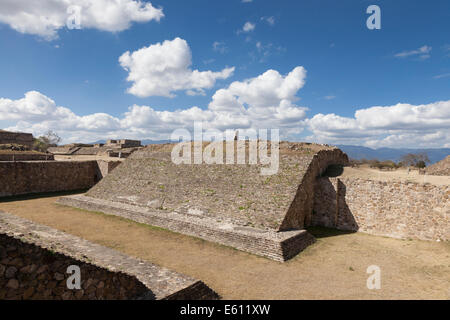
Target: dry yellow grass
column 396, row 175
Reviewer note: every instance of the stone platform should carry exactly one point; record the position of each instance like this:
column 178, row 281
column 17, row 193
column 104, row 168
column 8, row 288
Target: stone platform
column 279, row 246
column 229, row 193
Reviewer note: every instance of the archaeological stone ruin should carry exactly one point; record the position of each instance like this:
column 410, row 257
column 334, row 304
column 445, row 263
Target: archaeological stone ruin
column 234, row 204
column 266, row 215
column 17, row 146
column 230, row 204
column 112, row 148
column 25, row 139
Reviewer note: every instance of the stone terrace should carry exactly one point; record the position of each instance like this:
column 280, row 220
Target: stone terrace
column 125, row 147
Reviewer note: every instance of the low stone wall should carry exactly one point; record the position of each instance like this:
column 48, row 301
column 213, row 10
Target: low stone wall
column 19, row 178
column 118, row 154
column 105, row 167
column 34, row 260
column 393, row 209
column 30, row 272
column 26, row 156
column 279, row 246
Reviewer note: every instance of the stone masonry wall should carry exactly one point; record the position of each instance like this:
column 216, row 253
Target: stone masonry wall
column 7, row 137
column 26, row 156
column 299, row 214
column 393, row 209
column 105, row 167
column 31, row 272
column 18, row 178
column 279, row 246
column 34, row 261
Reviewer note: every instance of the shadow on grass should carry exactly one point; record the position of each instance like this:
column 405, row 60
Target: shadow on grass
column 32, row 196
column 322, row 232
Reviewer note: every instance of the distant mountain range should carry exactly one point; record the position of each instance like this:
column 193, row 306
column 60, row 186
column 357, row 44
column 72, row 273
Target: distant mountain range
column 358, row 152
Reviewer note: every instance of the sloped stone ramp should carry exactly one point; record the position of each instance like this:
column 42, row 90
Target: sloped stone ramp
column 231, row 204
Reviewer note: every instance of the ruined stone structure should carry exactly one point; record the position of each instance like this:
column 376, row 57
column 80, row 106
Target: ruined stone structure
column 123, row 143
column 237, row 194
column 237, row 206
column 230, row 204
column 394, row 209
column 113, row 148
column 25, row 177
column 69, row 149
column 279, row 246
column 34, row 261
column 104, row 168
column 441, row 168
column 24, row 139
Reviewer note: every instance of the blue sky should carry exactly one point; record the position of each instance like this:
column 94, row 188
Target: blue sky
column 347, row 68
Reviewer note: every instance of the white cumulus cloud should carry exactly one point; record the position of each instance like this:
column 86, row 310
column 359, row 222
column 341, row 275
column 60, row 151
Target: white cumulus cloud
column 38, row 113
column 248, row 27
column 381, row 126
column 266, row 101
column 45, row 17
column 163, row 68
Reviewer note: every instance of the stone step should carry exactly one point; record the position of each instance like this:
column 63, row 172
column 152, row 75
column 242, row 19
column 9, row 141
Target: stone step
column 279, row 246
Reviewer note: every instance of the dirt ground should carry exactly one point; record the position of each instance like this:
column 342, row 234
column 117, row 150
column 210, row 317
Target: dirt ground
column 333, row 268
column 395, row 175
